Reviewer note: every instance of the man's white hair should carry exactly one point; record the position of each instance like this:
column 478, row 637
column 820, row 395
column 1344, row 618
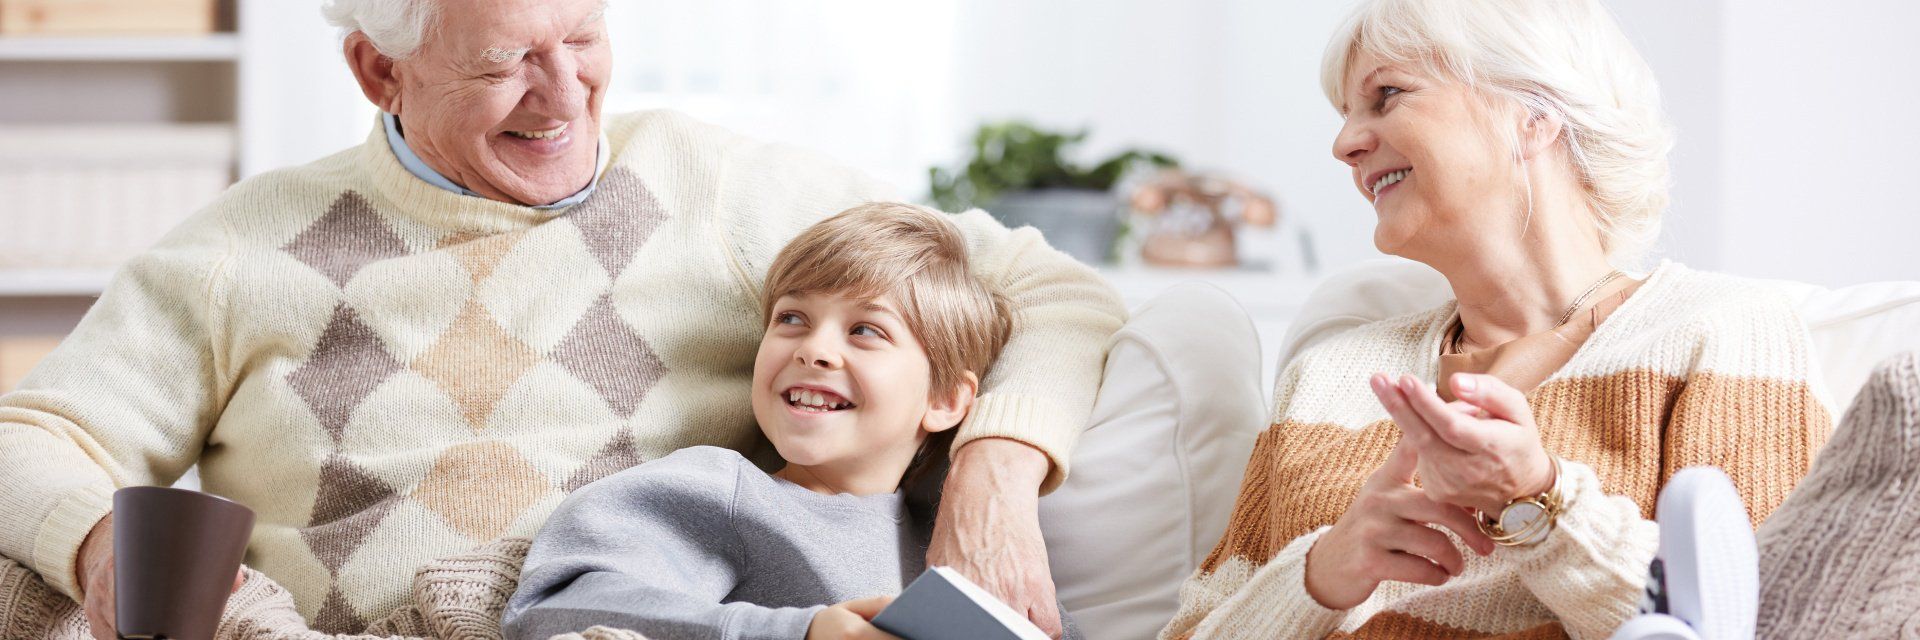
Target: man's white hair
column 1565, row 59
column 396, row 27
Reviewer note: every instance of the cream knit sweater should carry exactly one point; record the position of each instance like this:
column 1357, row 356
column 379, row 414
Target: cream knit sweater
column 388, row 372
column 1695, row 368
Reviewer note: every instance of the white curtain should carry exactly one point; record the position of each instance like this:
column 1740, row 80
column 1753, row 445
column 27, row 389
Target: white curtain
column 868, row 82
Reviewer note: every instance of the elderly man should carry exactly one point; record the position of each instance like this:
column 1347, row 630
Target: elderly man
column 423, row 343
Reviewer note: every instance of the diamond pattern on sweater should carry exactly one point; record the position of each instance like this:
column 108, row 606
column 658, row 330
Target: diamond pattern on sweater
column 538, row 303
column 618, row 455
column 479, row 488
column 334, row 543
column 475, row 361
column 618, row 219
column 346, row 365
column 603, row 352
column 480, row 255
column 541, row 288
column 345, row 489
column 336, row 616
column 350, row 236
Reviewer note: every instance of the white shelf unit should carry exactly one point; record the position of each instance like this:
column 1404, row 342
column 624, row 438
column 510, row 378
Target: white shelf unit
column 54, row 283
column 210, row 48
column 277, row 78
column 109, row 80
column 68, row 83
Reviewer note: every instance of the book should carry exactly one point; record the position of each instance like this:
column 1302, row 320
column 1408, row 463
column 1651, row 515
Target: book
column 943, row 605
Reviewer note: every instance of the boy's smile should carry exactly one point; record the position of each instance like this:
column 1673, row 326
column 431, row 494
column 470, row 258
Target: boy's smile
column 817, row 399
column 842, row 388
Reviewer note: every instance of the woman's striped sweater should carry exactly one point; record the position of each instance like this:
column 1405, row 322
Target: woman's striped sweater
column 1694, row 369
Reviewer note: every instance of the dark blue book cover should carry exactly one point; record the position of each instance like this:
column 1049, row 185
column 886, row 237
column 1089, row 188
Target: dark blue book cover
column 943, row 605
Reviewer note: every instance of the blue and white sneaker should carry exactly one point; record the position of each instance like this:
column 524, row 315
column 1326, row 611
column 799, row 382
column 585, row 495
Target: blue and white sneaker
column 1704, row 583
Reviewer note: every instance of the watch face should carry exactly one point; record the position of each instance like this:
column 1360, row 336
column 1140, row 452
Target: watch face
column 1519, row 515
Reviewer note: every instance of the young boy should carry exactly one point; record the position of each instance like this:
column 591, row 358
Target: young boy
column 876, row 340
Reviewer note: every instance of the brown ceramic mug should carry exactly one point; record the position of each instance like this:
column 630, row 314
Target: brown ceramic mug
column 175, row 553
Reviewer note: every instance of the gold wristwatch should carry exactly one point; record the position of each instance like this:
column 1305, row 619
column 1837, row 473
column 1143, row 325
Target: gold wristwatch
column 1526, row 520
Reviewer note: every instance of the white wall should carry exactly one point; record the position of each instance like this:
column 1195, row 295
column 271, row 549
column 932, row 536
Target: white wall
column 1821, row 138
column 298, row 101
column 1793, row 118
column 1684, row 43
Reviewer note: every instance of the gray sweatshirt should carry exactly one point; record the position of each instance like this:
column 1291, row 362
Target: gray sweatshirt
column 702, row 544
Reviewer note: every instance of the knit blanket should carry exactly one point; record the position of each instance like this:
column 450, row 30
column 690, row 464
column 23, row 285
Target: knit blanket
column 1841, row 558
column 457, row 597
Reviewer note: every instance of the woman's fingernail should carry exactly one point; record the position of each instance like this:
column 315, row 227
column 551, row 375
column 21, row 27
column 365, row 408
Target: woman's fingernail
column 1465, row 384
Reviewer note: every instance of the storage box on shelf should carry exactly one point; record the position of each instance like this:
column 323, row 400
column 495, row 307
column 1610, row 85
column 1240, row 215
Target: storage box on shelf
column 106, row 17
column 87, row 197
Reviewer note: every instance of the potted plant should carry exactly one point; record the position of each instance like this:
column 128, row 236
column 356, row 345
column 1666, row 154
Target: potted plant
column 1020, row 174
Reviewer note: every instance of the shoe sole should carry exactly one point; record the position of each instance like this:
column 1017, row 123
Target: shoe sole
column 1707, row 548
column 1655, row 626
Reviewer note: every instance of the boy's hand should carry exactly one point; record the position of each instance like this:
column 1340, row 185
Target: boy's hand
column 850, row 620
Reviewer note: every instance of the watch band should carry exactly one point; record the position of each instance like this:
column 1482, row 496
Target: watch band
column 1549, row 505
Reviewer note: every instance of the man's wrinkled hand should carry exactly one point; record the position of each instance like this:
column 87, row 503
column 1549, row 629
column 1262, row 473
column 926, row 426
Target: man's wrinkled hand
column 95, row 574
column 988, row 527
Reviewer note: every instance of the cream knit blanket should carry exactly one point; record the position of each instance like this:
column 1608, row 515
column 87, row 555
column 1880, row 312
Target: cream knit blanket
column 1841, row 558
column 456, row 597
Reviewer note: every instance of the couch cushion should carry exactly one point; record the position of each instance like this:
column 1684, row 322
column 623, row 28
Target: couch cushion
column 1155, row 475
column 1855, row 328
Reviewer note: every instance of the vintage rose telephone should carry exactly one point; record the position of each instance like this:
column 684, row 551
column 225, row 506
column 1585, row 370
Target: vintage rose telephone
column 1193, row 218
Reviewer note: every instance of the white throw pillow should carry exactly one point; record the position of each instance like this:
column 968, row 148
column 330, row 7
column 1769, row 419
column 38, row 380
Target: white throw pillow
column 1855, row 328
column 1155, row 475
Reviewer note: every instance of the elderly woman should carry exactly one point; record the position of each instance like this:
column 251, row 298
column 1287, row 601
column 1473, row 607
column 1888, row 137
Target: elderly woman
column 424, row 342
column 1517, row 147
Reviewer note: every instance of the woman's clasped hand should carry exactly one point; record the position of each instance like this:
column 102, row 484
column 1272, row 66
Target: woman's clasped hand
column 1455, row 460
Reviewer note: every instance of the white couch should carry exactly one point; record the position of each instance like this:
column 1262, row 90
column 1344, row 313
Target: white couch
column 1157, row 470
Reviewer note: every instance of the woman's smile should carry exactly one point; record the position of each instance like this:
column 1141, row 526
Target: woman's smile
column 1388, row 182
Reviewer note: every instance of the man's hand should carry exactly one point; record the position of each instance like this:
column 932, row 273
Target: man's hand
column 988, row 528
column 95, row 575
column 850, row 620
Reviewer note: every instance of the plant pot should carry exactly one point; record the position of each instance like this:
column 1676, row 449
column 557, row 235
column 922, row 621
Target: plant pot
column 1084, row 223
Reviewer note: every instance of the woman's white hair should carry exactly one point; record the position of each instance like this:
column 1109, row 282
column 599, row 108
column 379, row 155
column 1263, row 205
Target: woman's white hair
column 396, row 27
column 1565, row 59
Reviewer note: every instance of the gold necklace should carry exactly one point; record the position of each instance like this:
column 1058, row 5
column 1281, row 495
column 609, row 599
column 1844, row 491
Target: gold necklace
column 1577, row 302
column 1460, row 327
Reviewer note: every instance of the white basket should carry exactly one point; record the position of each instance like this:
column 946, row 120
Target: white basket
column 91, row 196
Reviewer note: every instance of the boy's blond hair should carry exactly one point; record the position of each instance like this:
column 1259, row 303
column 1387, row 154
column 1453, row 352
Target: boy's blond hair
column 913, row 255
column 917, row 257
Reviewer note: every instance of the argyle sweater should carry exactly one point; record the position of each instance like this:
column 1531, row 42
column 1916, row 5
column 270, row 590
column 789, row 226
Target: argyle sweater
column 1694, row 369
column 387, row 372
